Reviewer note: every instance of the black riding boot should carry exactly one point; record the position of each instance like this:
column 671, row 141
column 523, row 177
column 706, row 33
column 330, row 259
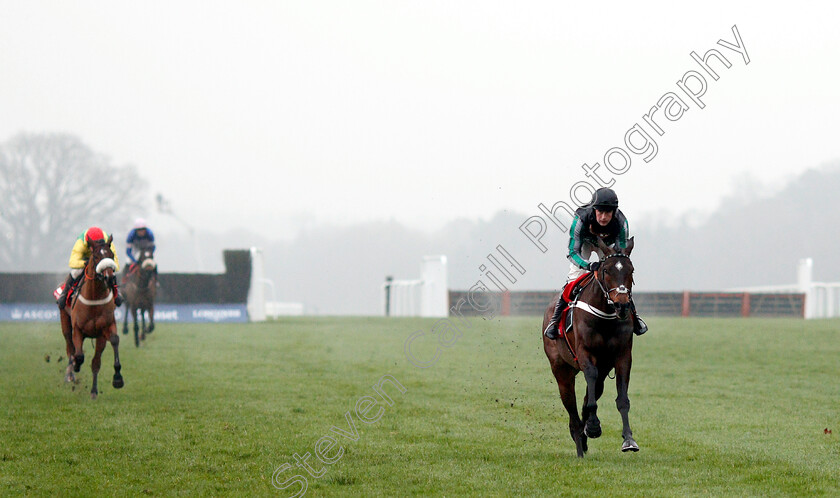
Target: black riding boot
column 68, row 284
column 551, row 330
column 639, row 325
column 117, row 298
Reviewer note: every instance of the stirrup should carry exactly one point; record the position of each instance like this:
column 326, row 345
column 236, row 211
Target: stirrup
column 551, row 330
column 640, row 327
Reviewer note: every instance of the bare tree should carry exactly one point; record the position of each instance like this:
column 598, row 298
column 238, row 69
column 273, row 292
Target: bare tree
column 52, row 187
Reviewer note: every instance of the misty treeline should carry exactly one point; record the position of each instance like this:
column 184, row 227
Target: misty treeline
column 53, row 186
column 756, row 236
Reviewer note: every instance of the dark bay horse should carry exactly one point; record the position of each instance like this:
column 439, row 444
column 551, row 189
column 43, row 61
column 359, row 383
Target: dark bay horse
column 139, row 289
column 91, row 315
column 601, row 339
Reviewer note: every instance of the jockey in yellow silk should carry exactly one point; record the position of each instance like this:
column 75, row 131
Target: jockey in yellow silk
column 78, row 259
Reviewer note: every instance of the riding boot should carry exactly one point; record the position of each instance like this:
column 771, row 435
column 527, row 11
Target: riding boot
column 551, row 330
column 68, row 285
column 117, row 298
column 639, row 325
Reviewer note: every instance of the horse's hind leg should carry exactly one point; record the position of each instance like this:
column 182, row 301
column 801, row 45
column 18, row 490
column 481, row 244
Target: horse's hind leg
column 622, row 401
column 67, row 332
column 95, row 364
column 118, row 379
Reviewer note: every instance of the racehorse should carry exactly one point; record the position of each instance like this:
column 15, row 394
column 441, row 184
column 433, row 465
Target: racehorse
column 601, row 339
column 139, row 288
column 91, row 315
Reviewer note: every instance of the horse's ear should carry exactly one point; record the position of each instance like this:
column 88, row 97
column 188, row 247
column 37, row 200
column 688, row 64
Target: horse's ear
column 607, row 250
column 110, row 239
column 629, row 247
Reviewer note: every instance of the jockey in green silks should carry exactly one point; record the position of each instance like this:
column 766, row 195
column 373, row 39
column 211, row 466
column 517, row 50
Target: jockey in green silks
column 602, row 219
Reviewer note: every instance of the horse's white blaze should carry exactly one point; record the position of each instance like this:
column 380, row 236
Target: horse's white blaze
column 106, row 263
column 619, row 266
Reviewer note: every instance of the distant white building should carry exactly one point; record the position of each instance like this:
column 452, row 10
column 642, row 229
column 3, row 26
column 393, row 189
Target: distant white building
column 427, row 296
column 822, row 300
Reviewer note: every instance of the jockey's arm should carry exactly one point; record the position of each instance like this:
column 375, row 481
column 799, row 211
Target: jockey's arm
column 623, row 233
column 576, row 244
column 116, row 258
column 78, row 255
column 129, row 245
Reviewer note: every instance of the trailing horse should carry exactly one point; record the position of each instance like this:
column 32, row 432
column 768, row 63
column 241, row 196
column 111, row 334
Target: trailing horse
column 139, row 289
column 91, row 315
column 601, row 339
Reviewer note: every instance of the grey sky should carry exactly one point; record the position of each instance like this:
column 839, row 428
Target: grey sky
column 267, row 115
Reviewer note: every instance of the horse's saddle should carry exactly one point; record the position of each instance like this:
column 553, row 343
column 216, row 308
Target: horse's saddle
column 70, row 295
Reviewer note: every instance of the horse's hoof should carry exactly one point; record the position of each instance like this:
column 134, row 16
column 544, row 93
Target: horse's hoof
column 93, row 395
column 77, row 363
column 594, row 432
column 69, row 378
column 629, row 445
column 125, row 331
column 118, row 382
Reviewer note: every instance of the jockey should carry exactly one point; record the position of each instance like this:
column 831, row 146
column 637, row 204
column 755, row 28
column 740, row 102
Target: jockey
column 78, row 259
column 600, row 218
column 139, row 238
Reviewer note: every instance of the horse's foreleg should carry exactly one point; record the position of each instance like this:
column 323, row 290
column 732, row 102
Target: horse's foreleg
column 118, row 379
column 78, row 352
column 136, row 329
column 151, row 318
column 143, row 323
column 95, row 364
column 565, row 376
column 125, row 318
column 622, row 401
column 592, row 426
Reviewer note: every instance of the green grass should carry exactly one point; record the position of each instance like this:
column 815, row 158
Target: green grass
column 719, row 408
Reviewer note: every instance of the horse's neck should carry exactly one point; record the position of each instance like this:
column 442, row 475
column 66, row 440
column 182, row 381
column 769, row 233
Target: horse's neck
column 592, row 294
column 144, row 277
column 93, row 288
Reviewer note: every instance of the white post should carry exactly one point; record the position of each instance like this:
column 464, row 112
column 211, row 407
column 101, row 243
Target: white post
column 805, row 275
column 256, row 292
column 435, row 288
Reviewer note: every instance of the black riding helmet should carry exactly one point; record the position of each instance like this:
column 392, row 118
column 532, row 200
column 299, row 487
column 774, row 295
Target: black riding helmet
column 604, row 199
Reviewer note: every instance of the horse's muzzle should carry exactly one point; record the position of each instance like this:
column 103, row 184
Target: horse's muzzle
column 622, row 310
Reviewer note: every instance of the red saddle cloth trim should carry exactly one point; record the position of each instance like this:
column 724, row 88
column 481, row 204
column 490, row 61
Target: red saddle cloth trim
column 567, row 296
column 581, row 280
column 561, row 329
column 58, row 291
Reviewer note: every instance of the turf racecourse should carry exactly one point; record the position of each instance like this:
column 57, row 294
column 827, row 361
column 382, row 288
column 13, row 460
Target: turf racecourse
column 719, row 407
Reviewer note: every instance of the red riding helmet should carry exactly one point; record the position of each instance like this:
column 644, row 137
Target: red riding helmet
column 94, row 234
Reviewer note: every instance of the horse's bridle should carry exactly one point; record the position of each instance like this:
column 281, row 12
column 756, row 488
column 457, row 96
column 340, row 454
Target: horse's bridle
column 621, row 289
column 97, row 274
